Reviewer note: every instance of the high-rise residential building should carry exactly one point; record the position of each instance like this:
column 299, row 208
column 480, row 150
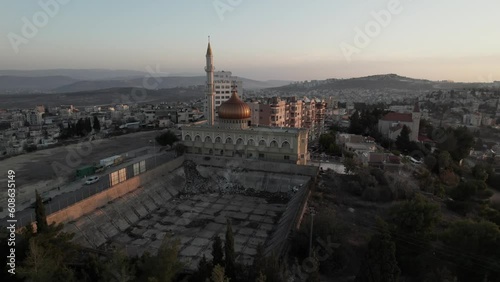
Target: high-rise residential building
column 295, row 112
column 223, row 82
column 291, row 112
column 35, row 118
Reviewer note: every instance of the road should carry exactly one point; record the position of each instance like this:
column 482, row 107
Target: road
column 77, row 191
column 39, row 170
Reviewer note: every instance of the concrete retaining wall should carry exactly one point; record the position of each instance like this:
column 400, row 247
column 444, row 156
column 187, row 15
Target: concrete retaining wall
column 93, row 202
column 257, row 165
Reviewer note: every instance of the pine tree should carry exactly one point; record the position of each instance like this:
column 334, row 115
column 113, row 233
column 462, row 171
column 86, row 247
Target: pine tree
column 229, row 251
column 87, row 126
column 203, row 272
column 259, row 262
column 96, row 124
column 403, row 142
column 40, row 215
column 380, row 264
column 217, row 252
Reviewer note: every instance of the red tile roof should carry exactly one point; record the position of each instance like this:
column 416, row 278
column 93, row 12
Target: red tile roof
column 398, row 117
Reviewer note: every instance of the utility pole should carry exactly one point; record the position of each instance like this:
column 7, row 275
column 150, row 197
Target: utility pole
column 312, row 212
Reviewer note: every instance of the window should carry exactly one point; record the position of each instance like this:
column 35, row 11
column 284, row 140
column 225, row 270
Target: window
column 250, row 142
column 262, row 143
column 197, row 138
column 229, row 140
column 187, row 138
column 261, row 156
column 218, row 140
column 273, row 144
column 118, row 176
column 139, row 167
column 208, row 139
column 239, row 141
column 286, row 157
column 285, row 145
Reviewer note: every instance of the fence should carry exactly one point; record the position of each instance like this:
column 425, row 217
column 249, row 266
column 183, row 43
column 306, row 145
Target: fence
column 65, row 200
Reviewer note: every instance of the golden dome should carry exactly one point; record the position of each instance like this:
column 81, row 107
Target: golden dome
column 234, row 108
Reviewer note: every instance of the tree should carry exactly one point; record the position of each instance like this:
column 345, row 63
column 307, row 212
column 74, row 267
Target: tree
column 80, row 127
column 203, row 272
column 42, row 265
column 48, row 253
column 96, row 124
column 167, row 138
column 87, row 126
column 180, row 149
column 259, row 263
column 218, row 274
column 416, row 217
column 444, row 160
column 480, row 172
column 164, row 266
column 40, row 215
column 229, row 261
column 350, row 165
column 217, row 252
column 325, row 140
column 118, row 268
column 403, row 142
column 379, row 263
column 355, row 126
column 261, row 277
column 478, row 245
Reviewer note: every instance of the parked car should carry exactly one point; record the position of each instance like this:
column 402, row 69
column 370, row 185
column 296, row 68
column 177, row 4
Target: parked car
column 92, row 179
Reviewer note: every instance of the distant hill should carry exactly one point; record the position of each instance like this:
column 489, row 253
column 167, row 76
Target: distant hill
column 43, row 83
column 78, row 74
column 26, row 82
column 377, row 82
column 163, row 83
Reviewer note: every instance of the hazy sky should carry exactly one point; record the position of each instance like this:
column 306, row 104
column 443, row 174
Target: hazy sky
column 260, row 39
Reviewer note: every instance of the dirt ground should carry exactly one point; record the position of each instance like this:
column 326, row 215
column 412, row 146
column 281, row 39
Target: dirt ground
column 48, row 169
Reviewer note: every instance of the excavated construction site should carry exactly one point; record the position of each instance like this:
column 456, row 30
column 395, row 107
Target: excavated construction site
column 192, row 203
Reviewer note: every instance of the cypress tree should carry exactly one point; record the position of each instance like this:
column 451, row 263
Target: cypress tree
column 217, row 253
column 40, row 215
column 229, row 252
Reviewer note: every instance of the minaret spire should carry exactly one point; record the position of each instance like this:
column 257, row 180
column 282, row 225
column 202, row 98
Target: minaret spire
column 210, row 85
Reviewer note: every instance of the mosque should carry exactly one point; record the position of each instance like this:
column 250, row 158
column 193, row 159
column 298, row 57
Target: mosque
column 233, row 135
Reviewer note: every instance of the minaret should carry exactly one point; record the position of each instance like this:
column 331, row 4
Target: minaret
column 210, row 85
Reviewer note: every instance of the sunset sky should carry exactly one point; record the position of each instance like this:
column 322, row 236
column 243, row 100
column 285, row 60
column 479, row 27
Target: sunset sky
column 260, row 39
